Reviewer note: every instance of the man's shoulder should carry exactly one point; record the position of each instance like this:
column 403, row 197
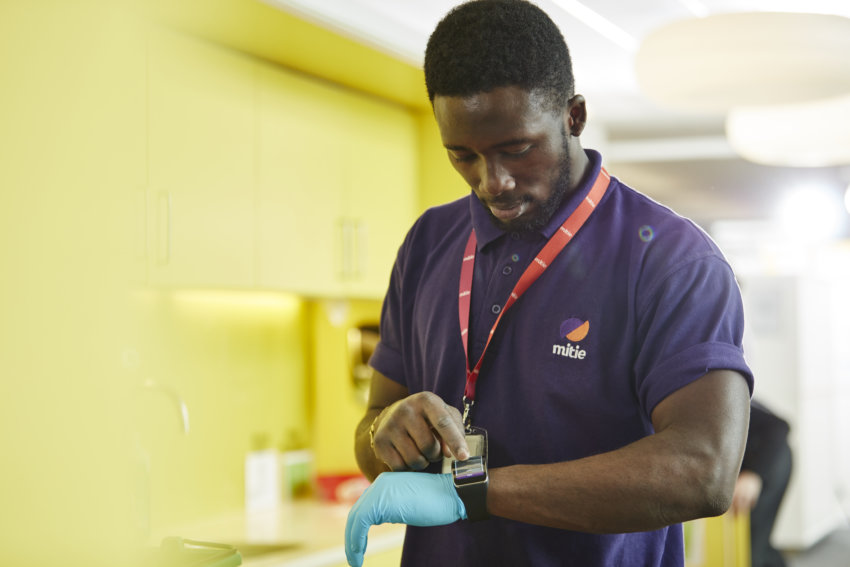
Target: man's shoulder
column 451, row 212
column 652, row 221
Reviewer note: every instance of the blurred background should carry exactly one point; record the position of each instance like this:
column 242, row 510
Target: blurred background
column 200, row 203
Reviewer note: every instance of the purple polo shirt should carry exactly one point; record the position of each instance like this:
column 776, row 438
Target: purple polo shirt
column 660, row 307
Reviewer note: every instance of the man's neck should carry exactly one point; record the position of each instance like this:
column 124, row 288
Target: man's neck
column 580, row 165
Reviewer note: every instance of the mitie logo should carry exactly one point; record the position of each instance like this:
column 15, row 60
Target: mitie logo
column 574, row 330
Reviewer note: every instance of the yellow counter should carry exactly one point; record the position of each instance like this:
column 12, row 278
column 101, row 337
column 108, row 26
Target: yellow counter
column 310, row 533
column 304, row 533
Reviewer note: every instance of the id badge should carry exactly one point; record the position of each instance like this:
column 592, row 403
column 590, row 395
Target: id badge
column 476, row 440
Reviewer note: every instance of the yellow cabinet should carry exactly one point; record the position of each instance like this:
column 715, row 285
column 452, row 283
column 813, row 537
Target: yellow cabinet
column 299, row 182
column 336, row 186
column 381, row 191
column 262, row 177
column 200, row 194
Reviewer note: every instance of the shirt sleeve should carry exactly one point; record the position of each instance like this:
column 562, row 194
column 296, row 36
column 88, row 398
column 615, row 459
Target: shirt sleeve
column 689, row 323
column 387, row 357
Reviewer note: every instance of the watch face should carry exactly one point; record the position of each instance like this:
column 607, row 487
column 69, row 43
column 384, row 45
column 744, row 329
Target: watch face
column 469, row 471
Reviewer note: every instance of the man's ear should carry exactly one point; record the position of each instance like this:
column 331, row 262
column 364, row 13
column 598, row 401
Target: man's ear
column 575, row 115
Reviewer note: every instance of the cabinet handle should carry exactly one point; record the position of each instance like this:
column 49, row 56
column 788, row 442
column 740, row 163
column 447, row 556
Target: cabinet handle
column 347, row 236
column 142, row 230
column 361, row 248
column 163, row 228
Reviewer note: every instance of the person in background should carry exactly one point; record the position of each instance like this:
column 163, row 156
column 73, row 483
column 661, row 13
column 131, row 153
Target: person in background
column 593, row 334
column 763, row 480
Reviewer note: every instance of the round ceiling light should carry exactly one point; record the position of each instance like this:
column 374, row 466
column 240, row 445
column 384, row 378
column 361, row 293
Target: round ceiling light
column 807, row 134
column 723, row 61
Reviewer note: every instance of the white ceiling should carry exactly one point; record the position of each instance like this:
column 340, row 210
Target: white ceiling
column 680, row 158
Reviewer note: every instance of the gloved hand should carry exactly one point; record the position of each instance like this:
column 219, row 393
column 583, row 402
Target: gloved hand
column 413, row 498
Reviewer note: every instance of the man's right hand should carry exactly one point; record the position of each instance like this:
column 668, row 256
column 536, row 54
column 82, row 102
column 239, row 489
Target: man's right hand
column 418, row 430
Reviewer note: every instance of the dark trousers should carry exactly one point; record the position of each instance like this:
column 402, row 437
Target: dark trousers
column 763, row 515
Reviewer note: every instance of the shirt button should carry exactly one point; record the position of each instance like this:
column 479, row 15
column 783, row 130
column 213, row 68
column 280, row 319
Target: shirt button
column 515, row 235
column 507, row 270
column 496, row 308
column 515, row 257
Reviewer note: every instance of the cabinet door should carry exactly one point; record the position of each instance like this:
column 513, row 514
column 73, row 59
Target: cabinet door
column 336, row 186
column 300, row 183
column 201, row 163
column 381, row 190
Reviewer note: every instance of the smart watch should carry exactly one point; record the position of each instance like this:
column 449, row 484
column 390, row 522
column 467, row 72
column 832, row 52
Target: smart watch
column 471, row 481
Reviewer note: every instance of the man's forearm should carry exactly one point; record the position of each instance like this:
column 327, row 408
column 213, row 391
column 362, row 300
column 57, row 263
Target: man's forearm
column 686, row 470
column 637, row 488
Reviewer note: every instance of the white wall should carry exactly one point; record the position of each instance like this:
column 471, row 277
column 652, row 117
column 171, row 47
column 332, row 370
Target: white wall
column 797, row 302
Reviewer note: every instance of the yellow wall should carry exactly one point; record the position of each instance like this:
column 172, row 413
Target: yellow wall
column 237, row 360
column 338, row 408
column 70, row 158
column 439, row 182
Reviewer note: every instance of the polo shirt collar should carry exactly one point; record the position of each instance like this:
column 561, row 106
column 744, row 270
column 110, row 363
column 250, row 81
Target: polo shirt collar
column 486, row 232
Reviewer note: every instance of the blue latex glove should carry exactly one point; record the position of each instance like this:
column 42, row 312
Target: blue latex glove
column 412, row 498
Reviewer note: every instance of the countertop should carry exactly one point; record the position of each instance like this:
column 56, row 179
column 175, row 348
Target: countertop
column 302, row 533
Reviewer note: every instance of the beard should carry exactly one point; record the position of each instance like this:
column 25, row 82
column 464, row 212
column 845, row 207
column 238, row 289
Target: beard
column 546, row 209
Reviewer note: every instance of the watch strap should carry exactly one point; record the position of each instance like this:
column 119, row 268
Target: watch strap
column 474, row 498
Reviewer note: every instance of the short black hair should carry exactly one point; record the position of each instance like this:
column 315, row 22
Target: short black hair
column 485, row 44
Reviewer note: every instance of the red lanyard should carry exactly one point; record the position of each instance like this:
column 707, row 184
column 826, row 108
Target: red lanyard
column 545, row 257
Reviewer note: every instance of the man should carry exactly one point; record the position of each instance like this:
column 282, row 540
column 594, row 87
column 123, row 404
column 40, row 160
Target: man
column 761, row 485
column 612, row 384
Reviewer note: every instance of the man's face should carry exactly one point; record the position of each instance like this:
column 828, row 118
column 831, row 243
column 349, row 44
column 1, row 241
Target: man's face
column 511, row 150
